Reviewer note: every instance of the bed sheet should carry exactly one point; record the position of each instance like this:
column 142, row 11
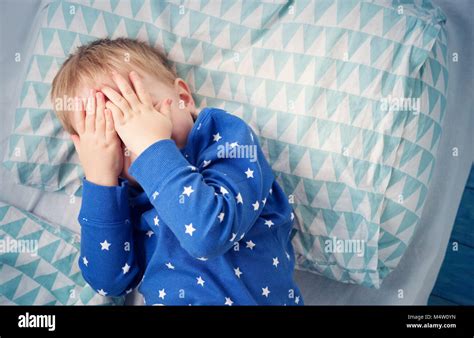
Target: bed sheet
column 410, row 283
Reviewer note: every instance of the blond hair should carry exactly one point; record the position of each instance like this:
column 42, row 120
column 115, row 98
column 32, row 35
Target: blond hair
column 100, row 57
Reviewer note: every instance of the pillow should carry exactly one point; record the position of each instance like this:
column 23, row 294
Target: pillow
column 38, row 263
column 323, row 83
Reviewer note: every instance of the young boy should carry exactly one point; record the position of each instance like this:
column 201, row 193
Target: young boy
column 179, row 212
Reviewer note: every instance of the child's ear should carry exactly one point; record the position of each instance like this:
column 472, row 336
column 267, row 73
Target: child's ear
column 183, row 92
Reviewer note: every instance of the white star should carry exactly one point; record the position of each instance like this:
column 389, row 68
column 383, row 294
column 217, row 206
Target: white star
column 242, row 236
column 149, row 233
column 249, row 173
column 265, row 291
column 269, row 223
column 188, row 191
column 205, row 163
column 105, row 245
column 200, row 281
column 156, row 221
column 193, row 168
column 250, row 244
column 275, row 262
column 85, row 261
column 297, row 299
column 239, row 198
column 228, row 301
column 221, row 217
column 292, row 216
column 237, row 272
column 128, row 291
column 216, row 137
column 233, row 237
column 255, row 205
column 189, row 229
column 270, row 191
column 125, row 268
column 234, row 144
column 102, row 292
column 162, row 293
column 155, row 195
column 203, row 259
column 264, row 201
column 170, row 266
column 224, row 191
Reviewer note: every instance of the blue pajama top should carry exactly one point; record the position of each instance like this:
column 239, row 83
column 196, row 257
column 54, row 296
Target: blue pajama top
column 210, row 226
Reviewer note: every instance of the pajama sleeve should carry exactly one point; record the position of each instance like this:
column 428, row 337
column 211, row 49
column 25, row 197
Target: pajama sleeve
column 209, row 206
column 107, row 260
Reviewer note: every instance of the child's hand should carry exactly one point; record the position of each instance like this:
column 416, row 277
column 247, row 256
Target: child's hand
column 137, row 122
column 97, row 144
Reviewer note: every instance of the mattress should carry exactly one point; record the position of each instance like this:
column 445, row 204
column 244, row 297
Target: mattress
column 410, row 283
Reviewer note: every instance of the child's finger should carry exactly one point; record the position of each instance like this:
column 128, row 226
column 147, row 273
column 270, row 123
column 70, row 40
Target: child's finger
column 79, row 117
column 142, row 93
column 109, row 124
column 90, row 113
column 116, row 113
column 165, row 108
column 127, row 91
column 100, row 118
column 117, row 100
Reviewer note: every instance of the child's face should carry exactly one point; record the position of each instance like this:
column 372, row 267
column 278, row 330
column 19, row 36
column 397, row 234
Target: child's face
column 182, row 108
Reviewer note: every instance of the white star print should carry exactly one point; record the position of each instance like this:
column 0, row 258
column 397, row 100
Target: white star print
column 170, row 266
column 233, row 237
column 105, row 245
column 275, row 262
column 265, row 291
column 193, row 168
column 155, row 195
column 237, row 272
column 234, row 144
column 228, row 301
column 85, row 261
column 125, row 268
column 270, row 191
column 292, row 216
column 297, row 299
column 221, row 217
column 188, row 191
column 264, row 201
column 156, row 221
column 162, row 293
column 269, row 223
column 242, row 236
column 189, row 229
column 203, row 259
column 205, row 163
column 128, row 291
column 250, row 244
column 200, row 281
column 102, row 292
column 249, row 173
column 255, row 205
column 216, row 137
column 224, row 191
column 149, row 233
column 239, row 198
